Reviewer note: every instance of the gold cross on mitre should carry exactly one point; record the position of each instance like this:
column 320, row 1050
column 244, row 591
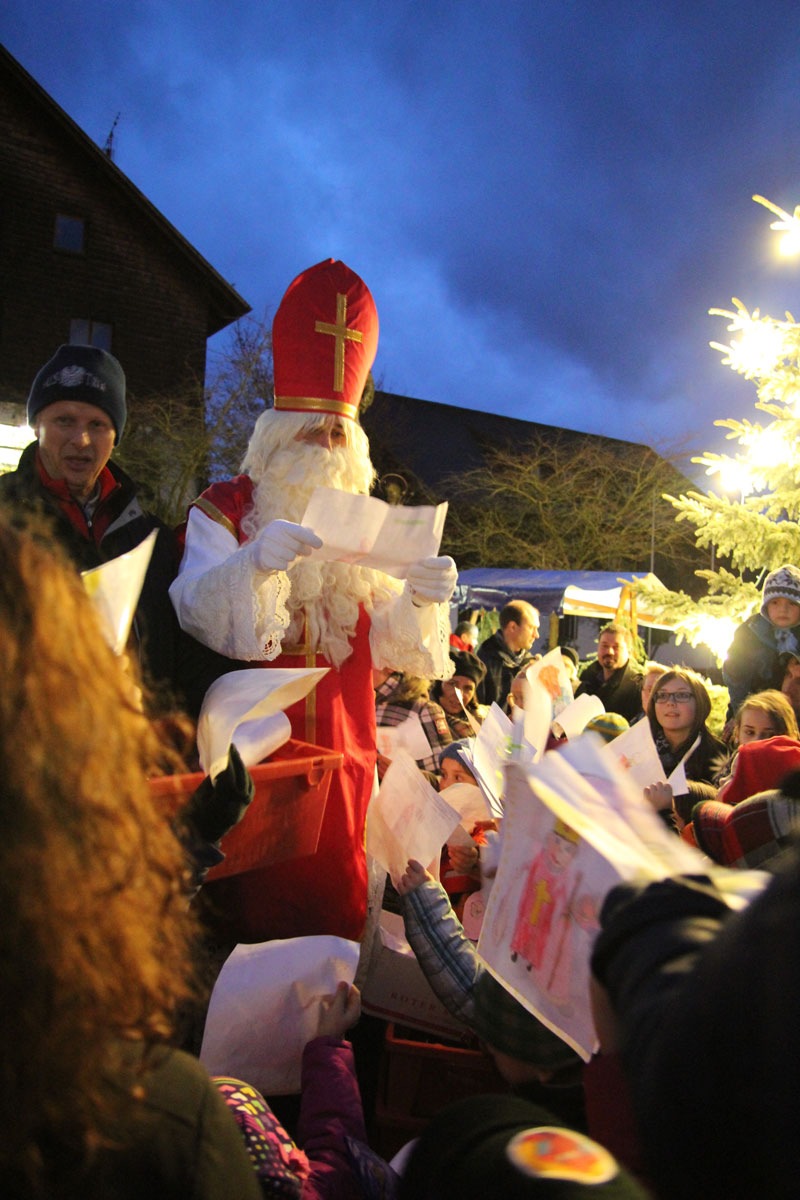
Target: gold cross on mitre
column 342, row 334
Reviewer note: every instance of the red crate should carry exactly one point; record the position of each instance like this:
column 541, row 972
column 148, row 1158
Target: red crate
column 283, row 819
column 419, row 1077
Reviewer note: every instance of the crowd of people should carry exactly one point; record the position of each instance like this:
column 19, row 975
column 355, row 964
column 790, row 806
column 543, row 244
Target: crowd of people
column 690, row 1092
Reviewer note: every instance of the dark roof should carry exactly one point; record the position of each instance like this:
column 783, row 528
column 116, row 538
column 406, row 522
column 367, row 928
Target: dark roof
column 433, row 440
column 225, row 303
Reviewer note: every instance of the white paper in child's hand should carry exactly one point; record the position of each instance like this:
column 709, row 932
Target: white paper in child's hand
column 469, row 802
column 246, row 707
column 114, row 588
column 489, row 752
column 408, row 736
column 407, row 819
column 372, row 533
column 575, row 717
column 537, row 715
column 550, row 674
column 636, row 752
column 265, row 1008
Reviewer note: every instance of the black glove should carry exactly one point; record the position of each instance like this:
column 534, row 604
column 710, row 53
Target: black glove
column 216, row 807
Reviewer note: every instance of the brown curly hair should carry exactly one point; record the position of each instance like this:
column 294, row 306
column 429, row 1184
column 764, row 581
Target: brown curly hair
column 95, row 937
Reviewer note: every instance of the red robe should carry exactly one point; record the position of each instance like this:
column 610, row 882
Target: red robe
column 326, row 892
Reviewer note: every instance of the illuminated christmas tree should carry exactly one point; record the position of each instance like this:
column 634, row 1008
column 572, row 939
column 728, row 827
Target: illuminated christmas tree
column 754, row 525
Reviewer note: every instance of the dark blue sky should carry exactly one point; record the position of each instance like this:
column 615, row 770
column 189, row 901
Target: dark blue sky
column 544, row 197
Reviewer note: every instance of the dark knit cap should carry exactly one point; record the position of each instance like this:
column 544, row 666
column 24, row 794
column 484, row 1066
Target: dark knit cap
column 781, row 584
column 468, row 665
column 83, row 373
column 502, row 1022
column 488, row 1146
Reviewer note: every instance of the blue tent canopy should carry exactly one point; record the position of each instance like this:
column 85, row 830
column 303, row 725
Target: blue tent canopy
column 492, row 587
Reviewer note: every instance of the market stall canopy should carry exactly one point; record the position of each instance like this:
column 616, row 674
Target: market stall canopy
column 569, row 593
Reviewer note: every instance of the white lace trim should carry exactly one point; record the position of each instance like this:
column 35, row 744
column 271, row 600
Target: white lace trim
column 237, row 611
column 270, row 615
column 411, row 639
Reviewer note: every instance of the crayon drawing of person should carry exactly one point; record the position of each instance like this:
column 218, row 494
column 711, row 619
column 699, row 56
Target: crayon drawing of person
column 548, row 912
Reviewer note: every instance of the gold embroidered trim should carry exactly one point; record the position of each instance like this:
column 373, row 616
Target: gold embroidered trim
column 310, row 655
column 213, row 512
column 342, row 334
column 340, row 408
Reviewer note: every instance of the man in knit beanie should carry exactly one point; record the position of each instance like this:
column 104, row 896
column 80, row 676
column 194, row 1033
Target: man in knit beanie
column 77, row 410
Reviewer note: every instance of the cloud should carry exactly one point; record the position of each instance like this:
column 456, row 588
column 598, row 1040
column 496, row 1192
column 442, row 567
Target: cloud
column 547, row 203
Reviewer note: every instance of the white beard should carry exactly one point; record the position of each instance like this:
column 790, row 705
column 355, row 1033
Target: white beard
column 325, row 596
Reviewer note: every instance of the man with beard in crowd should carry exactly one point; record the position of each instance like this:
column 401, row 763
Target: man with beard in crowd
column 615, row 677
column 247, row 590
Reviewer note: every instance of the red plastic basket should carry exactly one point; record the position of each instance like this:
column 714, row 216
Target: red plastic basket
column 283, row 819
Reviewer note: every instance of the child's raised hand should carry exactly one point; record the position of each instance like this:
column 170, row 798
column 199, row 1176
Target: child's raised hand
column 339, row 1011
column 412, row 877
column 659, row 795
column 464, row 860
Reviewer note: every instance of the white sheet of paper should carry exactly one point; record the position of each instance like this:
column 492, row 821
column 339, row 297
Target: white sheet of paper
column 372, row 533
column 539, row 948
column 246, row 707
column 265, row 1007
column 475, row 725
column 489, row 752
column 575, row 717
column 677, row 780
column 115, row 587
column 597, row 786
column 636, row 751
column 545, row 911
column 407, row 819
column 469, row 802
column 409, row 736
column 541, row 917
column 537, row 714
column 550, row 673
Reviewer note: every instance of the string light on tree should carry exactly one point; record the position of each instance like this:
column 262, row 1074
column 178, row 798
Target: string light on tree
column 756, row 528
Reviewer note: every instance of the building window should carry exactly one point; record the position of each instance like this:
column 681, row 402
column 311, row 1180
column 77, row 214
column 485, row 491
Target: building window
column 70, row 234
column 84, row 332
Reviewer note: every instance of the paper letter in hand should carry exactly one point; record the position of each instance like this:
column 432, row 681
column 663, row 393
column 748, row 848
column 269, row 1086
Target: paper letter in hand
column 372, row 533
column 408, row 819
column 264, row 1008
column 115, row 587
column 246, row 707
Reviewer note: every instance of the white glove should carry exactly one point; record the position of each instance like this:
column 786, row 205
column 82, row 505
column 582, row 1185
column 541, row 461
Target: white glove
column 281, row 543
column 432, row 581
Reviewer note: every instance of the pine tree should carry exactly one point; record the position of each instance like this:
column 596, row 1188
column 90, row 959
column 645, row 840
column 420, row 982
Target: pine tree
column 758, row 529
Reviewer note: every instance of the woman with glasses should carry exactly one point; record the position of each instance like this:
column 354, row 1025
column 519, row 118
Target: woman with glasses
column 678, row 711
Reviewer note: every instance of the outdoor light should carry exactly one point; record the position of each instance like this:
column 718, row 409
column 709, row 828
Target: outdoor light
column 717, row 633
column 759, row 346
column 788, row 225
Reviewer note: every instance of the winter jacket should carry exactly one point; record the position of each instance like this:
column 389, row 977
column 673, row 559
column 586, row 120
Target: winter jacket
column 621, row 692
column 706, row 1001
column 501, row 665
column 123, row 524
column 753, row 662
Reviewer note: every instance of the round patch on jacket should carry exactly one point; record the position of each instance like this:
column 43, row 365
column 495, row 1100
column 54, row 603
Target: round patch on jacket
column 549, row 1152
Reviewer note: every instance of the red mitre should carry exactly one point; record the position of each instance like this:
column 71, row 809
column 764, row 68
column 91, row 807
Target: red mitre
column 324, row 341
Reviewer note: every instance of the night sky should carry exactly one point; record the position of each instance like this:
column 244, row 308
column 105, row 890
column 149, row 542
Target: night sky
column 545, row 198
